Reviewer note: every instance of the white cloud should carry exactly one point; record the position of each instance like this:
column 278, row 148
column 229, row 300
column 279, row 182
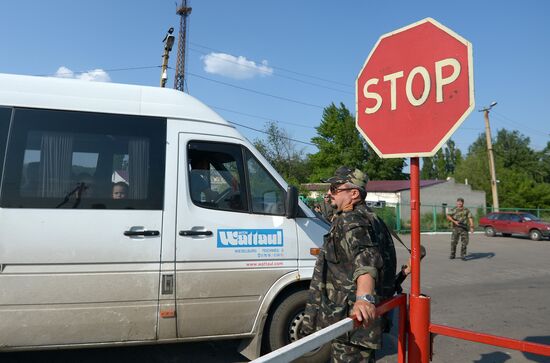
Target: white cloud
column 235, row 67
column 64, row 72
column 98, row 75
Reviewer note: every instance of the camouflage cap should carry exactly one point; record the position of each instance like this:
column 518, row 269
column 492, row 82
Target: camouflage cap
column 346, row 175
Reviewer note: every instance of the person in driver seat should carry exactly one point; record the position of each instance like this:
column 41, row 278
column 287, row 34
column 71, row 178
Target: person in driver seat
column 201, row 191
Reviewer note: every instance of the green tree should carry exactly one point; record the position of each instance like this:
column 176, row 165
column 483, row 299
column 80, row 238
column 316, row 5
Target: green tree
column 440, row 165
column 384, row 169
column 339, row 143
column 283, row 154
column 512, row 151
column 443, row 164
column 453, row 157
column 475, row 168
column 428, row 170
column 544, row 163
column 518, row 169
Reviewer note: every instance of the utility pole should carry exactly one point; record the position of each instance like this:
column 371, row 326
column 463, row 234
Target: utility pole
column 168, row 44
column 491, row 158
column 179, row 79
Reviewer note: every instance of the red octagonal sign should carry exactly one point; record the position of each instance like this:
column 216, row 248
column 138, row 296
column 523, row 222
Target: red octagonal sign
column 415, row 89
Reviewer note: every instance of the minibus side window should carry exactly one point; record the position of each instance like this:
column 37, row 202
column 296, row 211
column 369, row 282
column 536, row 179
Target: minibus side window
column 266, row 194
column 5, row 116
column 84, row 160
column 216, row 176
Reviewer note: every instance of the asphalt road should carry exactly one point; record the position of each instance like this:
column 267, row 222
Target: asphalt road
column 503, row 289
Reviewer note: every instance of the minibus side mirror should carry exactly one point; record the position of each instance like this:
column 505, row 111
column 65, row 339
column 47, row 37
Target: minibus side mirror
column 291, row 202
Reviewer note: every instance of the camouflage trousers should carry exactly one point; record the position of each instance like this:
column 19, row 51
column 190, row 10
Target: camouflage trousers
column 462, row 234
column 350, row 353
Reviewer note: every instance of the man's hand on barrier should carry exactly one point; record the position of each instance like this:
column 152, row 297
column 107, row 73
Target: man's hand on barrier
column 364, row 312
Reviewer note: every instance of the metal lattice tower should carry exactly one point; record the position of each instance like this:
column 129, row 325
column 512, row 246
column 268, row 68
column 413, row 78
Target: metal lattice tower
column 179, row 79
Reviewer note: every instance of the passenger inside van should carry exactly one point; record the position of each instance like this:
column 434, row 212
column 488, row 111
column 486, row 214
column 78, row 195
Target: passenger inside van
column 120, row 190
column 201, row 191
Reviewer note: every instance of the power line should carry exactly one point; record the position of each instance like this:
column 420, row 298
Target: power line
column 191, row 74
column 470, row 128
column 506, row 120
column 215, row 107
column 105, row 70
column 276, row 74
column 267, row 133
column 282, row 69
column 254, row 91
column 347, row 85
column 261, row 117
column 509, row 121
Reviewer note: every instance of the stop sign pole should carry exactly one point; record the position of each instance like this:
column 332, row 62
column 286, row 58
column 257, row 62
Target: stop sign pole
column 414, row 90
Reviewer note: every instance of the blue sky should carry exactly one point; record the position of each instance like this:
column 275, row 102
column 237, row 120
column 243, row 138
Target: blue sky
column 297, row 56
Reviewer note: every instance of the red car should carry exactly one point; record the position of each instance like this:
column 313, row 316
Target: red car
column 509, row 223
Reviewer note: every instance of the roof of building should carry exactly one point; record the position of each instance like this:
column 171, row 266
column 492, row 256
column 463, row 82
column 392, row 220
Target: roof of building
column 397, row 185
column 389, row 186
column 316, row 186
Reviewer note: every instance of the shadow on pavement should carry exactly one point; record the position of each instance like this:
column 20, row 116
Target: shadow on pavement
column 536, row 357
column 479, row 255
column 202, row 352
column 495, row 357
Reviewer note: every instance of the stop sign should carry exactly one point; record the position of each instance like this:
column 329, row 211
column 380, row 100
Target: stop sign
column 414, row 90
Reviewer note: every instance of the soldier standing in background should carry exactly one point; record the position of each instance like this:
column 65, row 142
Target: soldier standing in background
column 354, row 271
column 462, row 220
column 326, row 208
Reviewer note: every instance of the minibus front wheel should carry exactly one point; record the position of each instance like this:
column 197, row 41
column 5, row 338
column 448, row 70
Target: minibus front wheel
column 284, row 327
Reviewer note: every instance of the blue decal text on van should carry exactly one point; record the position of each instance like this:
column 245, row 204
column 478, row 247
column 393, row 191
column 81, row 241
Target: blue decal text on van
column 230, row 238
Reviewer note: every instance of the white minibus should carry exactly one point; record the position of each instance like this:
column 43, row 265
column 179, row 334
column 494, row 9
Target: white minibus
column 137, row 215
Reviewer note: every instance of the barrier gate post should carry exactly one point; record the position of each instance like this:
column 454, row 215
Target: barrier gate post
column 395, row 128
column 419, row 306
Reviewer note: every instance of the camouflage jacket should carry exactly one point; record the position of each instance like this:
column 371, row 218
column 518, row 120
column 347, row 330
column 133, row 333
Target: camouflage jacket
column 348, row 252
column 461, row 215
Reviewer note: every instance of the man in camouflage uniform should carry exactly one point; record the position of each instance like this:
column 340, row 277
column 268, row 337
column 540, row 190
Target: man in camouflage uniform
column 460, row 218
column 326, row 208
column 349, row 277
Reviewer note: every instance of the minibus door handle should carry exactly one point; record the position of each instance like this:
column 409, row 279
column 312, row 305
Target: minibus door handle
column 195, row 233
column 142, row 233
